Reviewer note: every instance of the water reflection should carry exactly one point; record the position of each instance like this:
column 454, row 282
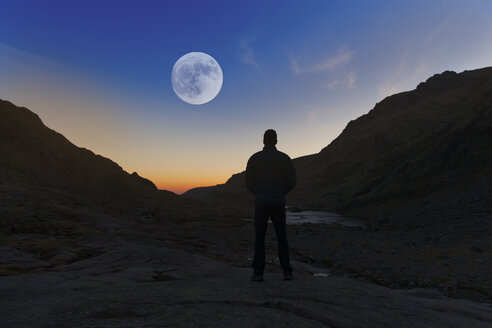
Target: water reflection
column 322, row 217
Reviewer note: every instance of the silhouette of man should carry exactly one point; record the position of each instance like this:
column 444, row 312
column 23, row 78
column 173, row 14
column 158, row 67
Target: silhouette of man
column 270, row 175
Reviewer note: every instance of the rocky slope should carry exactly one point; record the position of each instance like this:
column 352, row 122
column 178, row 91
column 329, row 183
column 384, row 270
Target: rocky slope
column 33, row 155
column 411, row 147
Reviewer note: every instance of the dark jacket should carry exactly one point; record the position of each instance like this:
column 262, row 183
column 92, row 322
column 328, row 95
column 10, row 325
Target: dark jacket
column 270, row 175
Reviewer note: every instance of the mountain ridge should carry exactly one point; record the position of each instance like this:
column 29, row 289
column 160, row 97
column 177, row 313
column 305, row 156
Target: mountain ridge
column 411, row 145
column 35, row 155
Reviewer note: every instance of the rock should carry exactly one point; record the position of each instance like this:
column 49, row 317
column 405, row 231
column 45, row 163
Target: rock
column 14, row 261
column 424, row 293
column 477, row 249
column 227, row 298
column 307, row 268
column 64, row 257
column 164, row 275
column 403, row 282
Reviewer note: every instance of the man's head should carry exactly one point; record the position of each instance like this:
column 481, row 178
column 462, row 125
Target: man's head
column 270, row 137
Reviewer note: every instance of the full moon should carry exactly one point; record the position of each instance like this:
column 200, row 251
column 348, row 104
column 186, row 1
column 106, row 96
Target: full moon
column 196, row 78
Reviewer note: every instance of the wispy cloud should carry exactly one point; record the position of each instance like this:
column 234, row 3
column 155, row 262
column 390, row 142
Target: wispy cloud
column 28, row 60
column 351, row 79
column 14, row 50
column 333, row 83
column 436, row 32
column 347, row 81
column 343, row 57
column 405, row 77
column 247, row 54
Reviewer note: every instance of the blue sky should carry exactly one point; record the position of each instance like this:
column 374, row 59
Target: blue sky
column 99, row 72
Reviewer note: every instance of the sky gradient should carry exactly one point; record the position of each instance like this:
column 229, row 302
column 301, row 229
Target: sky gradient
column 99, row 72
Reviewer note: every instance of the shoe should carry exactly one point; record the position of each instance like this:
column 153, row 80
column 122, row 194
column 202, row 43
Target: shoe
column 257, row 277
column 288, row 275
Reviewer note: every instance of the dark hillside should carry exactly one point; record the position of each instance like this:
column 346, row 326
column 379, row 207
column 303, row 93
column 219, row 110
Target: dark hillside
column 411, row 146
column 35, row 156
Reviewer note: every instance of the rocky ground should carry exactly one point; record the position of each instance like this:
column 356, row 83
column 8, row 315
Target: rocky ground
column 133, row 281
column 65, row 263
column 399, row 259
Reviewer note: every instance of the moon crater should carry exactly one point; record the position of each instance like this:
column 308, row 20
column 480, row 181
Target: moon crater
column 196, row 78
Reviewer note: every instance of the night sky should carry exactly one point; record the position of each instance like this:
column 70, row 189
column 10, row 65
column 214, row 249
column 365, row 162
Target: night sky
column 99, row 72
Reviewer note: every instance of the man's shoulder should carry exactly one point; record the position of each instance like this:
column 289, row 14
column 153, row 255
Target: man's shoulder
column 268, row 154
column 283, row 155
column 255, row 155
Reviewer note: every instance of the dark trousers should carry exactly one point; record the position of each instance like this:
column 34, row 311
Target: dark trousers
column 277, row 215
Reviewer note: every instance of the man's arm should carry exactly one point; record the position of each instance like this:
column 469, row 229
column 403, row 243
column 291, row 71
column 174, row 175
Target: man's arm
column 291, row 176
column 250, row 176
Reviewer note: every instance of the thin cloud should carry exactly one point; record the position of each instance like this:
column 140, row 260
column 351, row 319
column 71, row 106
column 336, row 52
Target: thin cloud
column 332, row 84
column 14, row 60
column 348, row 81
column 437, row 31
column 351, row 79
column 400, row 82
column 5, row 47
column 247, row 54
column 328, row 63
column 21, row 56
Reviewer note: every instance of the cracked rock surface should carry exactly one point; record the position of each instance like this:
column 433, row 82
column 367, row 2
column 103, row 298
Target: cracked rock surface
column 150, row 285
